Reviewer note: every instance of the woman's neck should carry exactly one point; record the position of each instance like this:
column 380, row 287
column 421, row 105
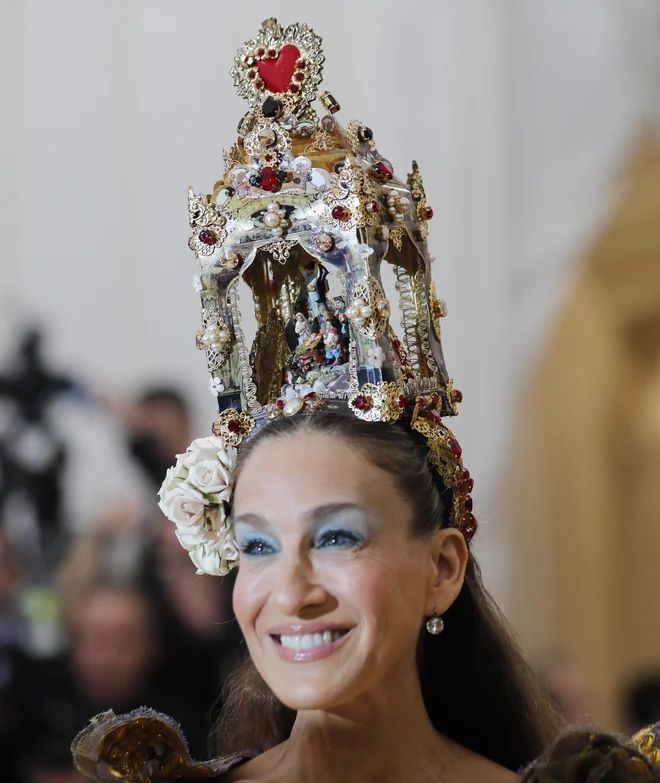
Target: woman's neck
column 383, row 736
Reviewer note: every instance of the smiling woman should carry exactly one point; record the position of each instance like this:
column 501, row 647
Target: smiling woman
column 346, row 551
column 375, row 652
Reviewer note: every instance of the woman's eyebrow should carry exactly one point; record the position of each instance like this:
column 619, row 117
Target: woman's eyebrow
column 251, row 519
column 320, row 513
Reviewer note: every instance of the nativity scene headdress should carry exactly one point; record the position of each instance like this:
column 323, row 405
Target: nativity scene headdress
column 308, row 219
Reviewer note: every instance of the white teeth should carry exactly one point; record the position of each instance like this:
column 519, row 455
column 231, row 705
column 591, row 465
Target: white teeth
column 309, row 640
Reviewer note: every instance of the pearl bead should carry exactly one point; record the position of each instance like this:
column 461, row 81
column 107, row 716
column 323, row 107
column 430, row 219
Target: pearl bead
column 272, row 219
column 366, row 311
column 392, row 210
column 404, row 203
column 359, row 321
column 273, row 206
column 207, row 339
column 224, row 337
column 359, row 302
column 352, row 312
column 277, row 232
column 216, row 346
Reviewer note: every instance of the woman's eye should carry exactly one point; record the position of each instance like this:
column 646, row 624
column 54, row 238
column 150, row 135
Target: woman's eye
column 344, row 539
column 256, row 547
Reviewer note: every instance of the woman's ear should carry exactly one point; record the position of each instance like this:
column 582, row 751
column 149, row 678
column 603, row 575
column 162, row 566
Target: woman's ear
column 449, row 555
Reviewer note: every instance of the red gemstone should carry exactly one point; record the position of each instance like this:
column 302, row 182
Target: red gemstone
column 403, row 401
column 293, row 88
column 300, row 77
column 469, row 528
column 383, row 171
column 433, row 415
column 436, row 398
column 301, row 64
column 279, row 403
column 361, row 403
column 234, row 425
column 455, row 447
column 422, row 402
column 470, row 484
column 456, row 395
column 269, row 179
column 311, row 396
column 261, row 52
column 469, row 505
column 252, row 74
column 208, row 237
column 340, row 213
column 272, row 53
column 428, row 212
column 374, row 207
column 466, row 474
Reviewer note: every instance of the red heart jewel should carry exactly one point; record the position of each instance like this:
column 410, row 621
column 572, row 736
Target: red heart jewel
column 277, row 73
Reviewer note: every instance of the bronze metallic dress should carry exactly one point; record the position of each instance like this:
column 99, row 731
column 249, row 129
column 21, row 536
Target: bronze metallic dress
column 148, row 747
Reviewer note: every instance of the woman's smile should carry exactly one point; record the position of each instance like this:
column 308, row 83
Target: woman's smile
column 305, row 646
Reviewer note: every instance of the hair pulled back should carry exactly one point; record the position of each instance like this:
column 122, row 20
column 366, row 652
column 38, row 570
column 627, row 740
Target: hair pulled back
column 478, row 688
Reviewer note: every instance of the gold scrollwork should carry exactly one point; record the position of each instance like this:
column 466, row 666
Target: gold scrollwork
column 376, row 402
column 266, row 47
column 233, row 426
column 209, row 226
column 253, row 144
column 216, row 338
column 368, row 310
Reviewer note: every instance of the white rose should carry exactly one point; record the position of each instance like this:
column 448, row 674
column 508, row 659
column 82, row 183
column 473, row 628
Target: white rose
column 211, row 448
column 210, row 476
column 207, row 560
column 229, row 550
column 184, row 505
column 174, row 476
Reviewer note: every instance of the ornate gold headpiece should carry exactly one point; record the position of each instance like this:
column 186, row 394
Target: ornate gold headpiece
column 304, row 201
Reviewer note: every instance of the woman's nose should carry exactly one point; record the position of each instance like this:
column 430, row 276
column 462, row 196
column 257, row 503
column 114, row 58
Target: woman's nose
column 297, row 591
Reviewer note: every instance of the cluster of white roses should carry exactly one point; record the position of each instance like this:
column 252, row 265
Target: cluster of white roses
column 196, row 496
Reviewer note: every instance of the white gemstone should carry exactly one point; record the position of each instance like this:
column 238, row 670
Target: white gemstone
column 435, row 625
column 292, row 407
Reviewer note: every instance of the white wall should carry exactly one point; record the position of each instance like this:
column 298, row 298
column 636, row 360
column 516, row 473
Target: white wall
column 518, row 112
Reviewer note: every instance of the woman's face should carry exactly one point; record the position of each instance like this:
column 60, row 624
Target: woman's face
column 332, row 588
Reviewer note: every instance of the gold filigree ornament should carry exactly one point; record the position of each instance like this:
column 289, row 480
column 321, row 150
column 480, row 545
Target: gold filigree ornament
column 396, row 236
column 233, row 426
column 280, row 63
column 215, row 338
column 445, row 455
column 209, row 226
column 369, row 309
column 267, row 137
column 438, row 311
column 377, row 402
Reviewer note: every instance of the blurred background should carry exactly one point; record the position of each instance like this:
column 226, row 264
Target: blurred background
column 535, row 125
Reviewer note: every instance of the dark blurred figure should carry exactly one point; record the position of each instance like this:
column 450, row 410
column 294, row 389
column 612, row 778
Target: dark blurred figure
column 642, row 702
column 197, row 636
column 32, row 455
column 158, row 428
column 112, row 664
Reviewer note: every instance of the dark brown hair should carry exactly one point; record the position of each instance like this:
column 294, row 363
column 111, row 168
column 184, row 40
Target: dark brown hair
column 478, row 688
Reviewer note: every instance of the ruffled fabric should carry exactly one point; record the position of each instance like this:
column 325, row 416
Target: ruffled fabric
column 588, row 757
column 140, row 747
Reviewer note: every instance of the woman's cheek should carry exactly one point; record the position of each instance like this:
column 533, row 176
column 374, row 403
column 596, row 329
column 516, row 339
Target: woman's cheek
column 250, row 594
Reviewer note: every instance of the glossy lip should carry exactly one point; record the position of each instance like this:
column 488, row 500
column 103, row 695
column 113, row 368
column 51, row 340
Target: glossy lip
column 316, row 653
